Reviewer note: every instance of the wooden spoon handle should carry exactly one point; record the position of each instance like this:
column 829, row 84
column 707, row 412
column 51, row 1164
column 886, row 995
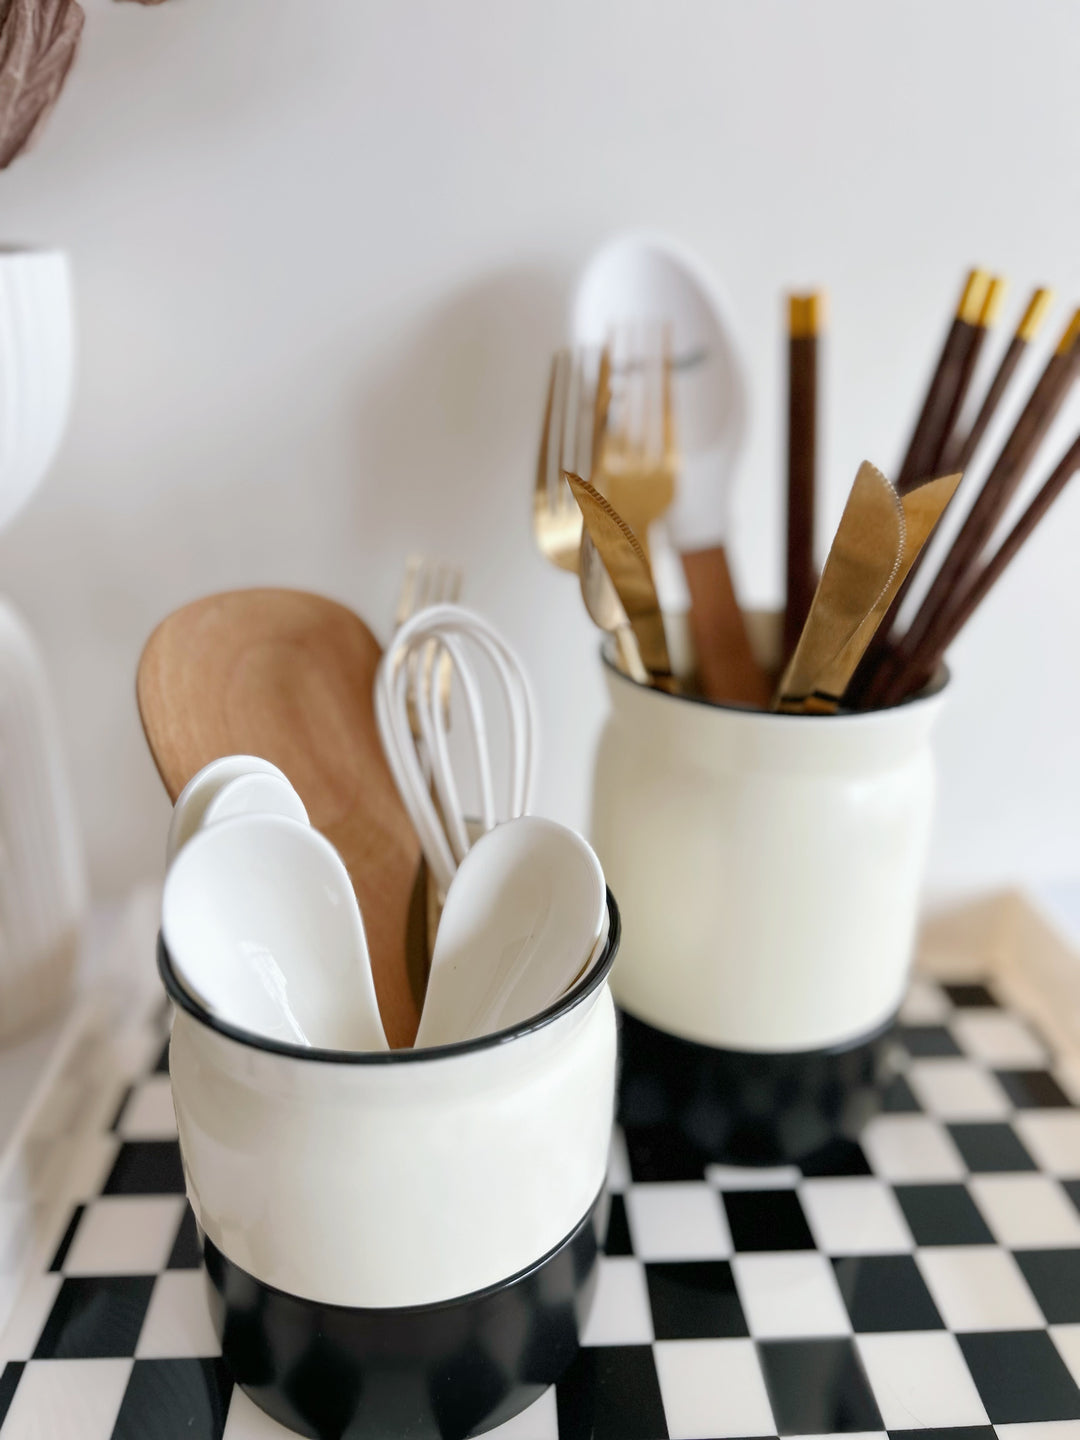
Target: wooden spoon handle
column 726, row 665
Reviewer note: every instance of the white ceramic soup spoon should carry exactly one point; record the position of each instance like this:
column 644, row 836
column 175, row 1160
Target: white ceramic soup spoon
column 200, row 790
column 261, row 921
column 258, row 793
column 522, row 918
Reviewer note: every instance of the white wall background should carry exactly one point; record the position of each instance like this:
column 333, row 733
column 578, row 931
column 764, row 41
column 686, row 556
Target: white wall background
column 323, row 249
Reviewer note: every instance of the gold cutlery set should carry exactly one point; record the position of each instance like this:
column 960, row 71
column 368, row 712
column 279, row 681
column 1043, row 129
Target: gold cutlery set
column 609, row 469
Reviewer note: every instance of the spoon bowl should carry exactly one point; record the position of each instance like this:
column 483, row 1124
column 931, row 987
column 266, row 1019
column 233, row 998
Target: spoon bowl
column 256, row 794
column 194, row 799
column 520, row 924
column 261, row 921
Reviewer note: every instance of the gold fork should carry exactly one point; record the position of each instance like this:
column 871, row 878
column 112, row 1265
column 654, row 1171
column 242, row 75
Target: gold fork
column 638, row 457
column 428, row 583
column 575, row 417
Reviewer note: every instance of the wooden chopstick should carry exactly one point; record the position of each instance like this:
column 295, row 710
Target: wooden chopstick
column 988, row 317
column 925, row 662
column 806, row 314
column 1000, row 485
column 959, row 377
column 928, row 436
column 959, row 453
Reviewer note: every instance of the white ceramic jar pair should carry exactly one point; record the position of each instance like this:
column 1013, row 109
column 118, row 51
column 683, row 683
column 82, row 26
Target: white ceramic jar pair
column 769, row 869
column 402, row 1242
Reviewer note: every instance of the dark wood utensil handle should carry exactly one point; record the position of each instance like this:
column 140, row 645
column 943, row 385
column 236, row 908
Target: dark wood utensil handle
column 804, row 317
column 727, row 669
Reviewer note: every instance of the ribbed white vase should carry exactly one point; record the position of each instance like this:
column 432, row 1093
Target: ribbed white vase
column 42, row 877
column 36, row 366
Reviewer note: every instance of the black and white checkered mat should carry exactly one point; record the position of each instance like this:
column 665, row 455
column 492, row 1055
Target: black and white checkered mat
column 927, row 1279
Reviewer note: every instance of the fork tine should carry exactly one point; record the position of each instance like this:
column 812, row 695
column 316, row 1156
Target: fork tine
column 560, row 420
column 571, row 419
column 666, row 398
column 616, row 417
column 601, row 406
column 635, row 393
column 582, row 451
column 406, row 604
column 448, row 592
column 414, row 589
column 543, row 460
column 656, row 391
column 643, row 391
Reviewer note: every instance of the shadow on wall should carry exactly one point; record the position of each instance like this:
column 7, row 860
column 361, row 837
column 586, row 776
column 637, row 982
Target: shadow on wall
column 449, row 422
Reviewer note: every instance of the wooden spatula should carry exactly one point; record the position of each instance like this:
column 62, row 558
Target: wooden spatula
column 288, row 676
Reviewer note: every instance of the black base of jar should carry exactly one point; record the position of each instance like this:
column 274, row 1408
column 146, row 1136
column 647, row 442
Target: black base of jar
column 430, row 1372
column 749, row 1107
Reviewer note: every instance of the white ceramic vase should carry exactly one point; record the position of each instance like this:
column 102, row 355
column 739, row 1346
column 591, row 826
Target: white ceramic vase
column 42, row 882
column 36, row 369
column 42, row 877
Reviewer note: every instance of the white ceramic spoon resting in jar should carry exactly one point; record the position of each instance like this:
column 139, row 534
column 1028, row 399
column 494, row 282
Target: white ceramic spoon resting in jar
column 261, row 922
column 522, row 920
column 199, row 794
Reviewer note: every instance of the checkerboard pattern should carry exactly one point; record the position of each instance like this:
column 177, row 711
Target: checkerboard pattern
column 927, row 1279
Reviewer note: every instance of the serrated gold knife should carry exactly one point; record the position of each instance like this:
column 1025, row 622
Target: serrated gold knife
column 628, row 566
column 879, row 538
column 863, row 560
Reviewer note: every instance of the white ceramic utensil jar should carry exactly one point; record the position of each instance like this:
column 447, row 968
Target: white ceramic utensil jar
column 770, row 869
column 401, row 1242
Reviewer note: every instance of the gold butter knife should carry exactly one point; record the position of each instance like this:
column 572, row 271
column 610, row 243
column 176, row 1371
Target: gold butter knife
column 861, row 565
column 923, row 507
column 625, row 561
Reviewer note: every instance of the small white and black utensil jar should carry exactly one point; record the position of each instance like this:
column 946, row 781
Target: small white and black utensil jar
column 770, row 868
column 404, row 1242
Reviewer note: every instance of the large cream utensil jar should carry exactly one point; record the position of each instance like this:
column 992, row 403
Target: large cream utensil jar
column 770, row 869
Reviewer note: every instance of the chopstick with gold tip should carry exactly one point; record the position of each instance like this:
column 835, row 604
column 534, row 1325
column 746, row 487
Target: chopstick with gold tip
column 925, row 662
column 927, row 439
column 991, row 307
column 1044, row 403
column 806, row 314
column 960, row 451
column 988, row 318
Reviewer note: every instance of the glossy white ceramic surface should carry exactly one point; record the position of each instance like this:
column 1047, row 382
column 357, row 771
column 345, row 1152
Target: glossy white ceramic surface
column 405, row 1180
column 36, row 368
column 521, row 919
column 768, row 867
column 262, row 922
column 255, row 794
column 192, row 802
column 642, row 277
column 42, row 876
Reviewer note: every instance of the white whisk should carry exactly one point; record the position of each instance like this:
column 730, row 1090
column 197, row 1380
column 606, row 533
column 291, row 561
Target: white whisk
column 422, row 766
